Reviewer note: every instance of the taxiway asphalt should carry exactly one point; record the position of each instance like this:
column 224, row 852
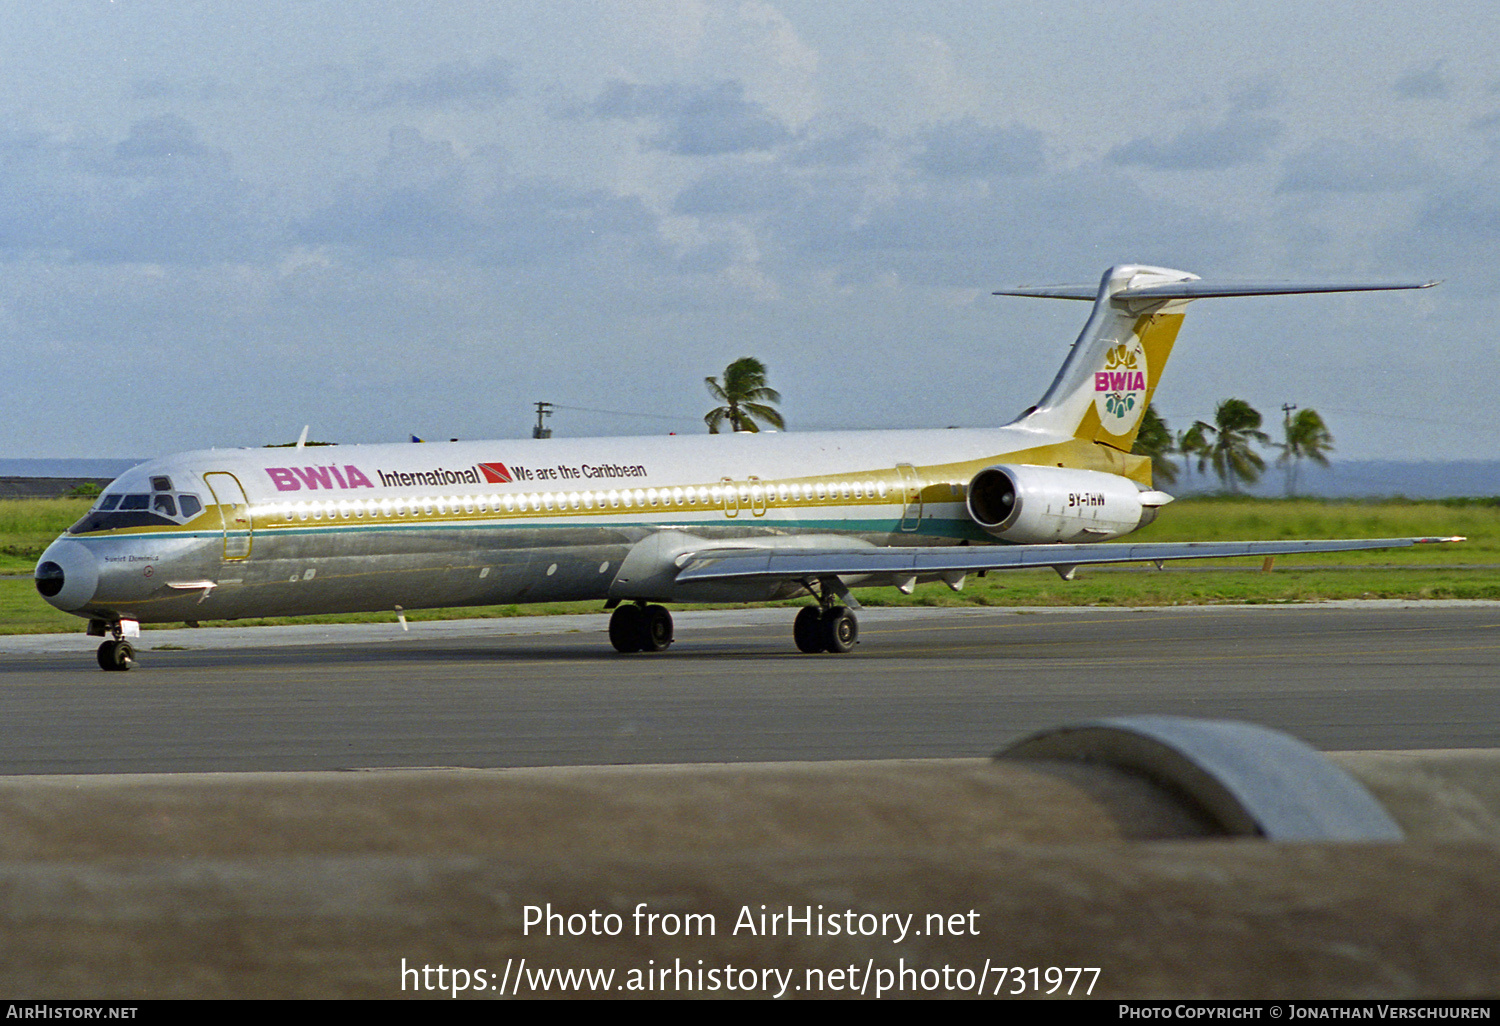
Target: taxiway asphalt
column 923, row 683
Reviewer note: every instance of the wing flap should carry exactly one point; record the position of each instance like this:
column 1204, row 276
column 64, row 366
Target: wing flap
column 804, row 564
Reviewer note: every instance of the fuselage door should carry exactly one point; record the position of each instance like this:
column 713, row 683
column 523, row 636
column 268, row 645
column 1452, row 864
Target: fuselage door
column 747, row 494
column 234, row 513
column 756, row 495
column 911, row 500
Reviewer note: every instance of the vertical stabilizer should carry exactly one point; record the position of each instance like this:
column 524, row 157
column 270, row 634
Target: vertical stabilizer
column 1110, row 375
column 1107, row 381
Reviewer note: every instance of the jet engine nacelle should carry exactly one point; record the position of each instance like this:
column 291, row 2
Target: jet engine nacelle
column 1035, row 505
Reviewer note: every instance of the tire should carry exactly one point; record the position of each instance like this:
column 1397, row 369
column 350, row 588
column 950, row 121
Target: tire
column 116, row 656
column 627, row 628
column 807, row 630
column 656, row 629
column 840, row 630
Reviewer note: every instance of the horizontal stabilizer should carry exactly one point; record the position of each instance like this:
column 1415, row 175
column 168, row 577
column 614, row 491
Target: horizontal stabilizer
column 806, row 564
column 1197, row 288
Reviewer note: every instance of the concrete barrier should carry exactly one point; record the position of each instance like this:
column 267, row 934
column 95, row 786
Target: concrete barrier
column 332, row 884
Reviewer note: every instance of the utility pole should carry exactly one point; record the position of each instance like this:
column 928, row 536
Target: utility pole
column 1291, row 459
column 542, row 410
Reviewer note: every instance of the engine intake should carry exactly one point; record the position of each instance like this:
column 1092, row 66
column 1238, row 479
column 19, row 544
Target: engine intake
column 1036, row 505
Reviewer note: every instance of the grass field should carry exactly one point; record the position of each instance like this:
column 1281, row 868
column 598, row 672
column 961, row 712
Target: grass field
column 1468, row 570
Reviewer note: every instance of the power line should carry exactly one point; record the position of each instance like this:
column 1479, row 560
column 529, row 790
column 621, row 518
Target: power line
column 621, row 413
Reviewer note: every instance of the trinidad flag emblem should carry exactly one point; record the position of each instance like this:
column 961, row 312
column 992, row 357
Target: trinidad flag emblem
column 495, row 473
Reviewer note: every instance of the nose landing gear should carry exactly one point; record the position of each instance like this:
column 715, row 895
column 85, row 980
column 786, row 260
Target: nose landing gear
column 116, row 654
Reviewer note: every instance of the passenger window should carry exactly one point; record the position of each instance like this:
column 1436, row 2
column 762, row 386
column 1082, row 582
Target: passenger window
column 191, row 507
column 164, row 505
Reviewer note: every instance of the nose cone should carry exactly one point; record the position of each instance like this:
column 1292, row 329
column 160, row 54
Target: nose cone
column 67, row 575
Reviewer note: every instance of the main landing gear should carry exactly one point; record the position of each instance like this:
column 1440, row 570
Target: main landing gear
column 826, row 627
column 834, row 629
column 637, row 627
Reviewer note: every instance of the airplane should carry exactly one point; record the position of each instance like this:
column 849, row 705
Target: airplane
column 636, row 522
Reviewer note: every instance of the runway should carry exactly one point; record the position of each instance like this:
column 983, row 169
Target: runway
column 923, row 683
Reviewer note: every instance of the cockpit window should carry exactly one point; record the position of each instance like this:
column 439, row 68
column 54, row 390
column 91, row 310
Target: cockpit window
column 161, row 484
column 139, row 509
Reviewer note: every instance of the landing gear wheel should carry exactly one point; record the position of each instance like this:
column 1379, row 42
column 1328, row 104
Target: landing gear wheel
column 626, row 628
column 840, row 629
column 116, row 655
column 656, row 629
column 807, row 630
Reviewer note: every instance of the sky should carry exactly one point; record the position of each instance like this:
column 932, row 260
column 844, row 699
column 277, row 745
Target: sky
column 222, row 222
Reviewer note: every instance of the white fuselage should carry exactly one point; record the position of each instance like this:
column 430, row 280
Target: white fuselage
column 291, row 531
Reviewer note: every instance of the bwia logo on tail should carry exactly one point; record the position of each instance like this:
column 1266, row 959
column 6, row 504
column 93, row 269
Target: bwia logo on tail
column 1120, row 395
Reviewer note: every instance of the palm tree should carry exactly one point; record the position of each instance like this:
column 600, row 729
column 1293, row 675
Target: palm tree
column 1193, row 446
column 745, row 396
column 1307, row 437
column 1234, row 432
column 1155, row 440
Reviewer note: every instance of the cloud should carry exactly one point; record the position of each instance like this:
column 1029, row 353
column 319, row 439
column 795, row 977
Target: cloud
column 1238, row 139
column 424, row 201
column 696, row 120
column 956, row 235
column 202, row 89
column 468, row 84
column 1422, row 83
column 165, row 145
column 834, row 146
column 1462, row 218
column 159, row 195
column 456, row 82
column 967, row 148
column 1338, row 165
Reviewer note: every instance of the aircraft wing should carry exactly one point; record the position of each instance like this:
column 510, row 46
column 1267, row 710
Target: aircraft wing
column 906, row 562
